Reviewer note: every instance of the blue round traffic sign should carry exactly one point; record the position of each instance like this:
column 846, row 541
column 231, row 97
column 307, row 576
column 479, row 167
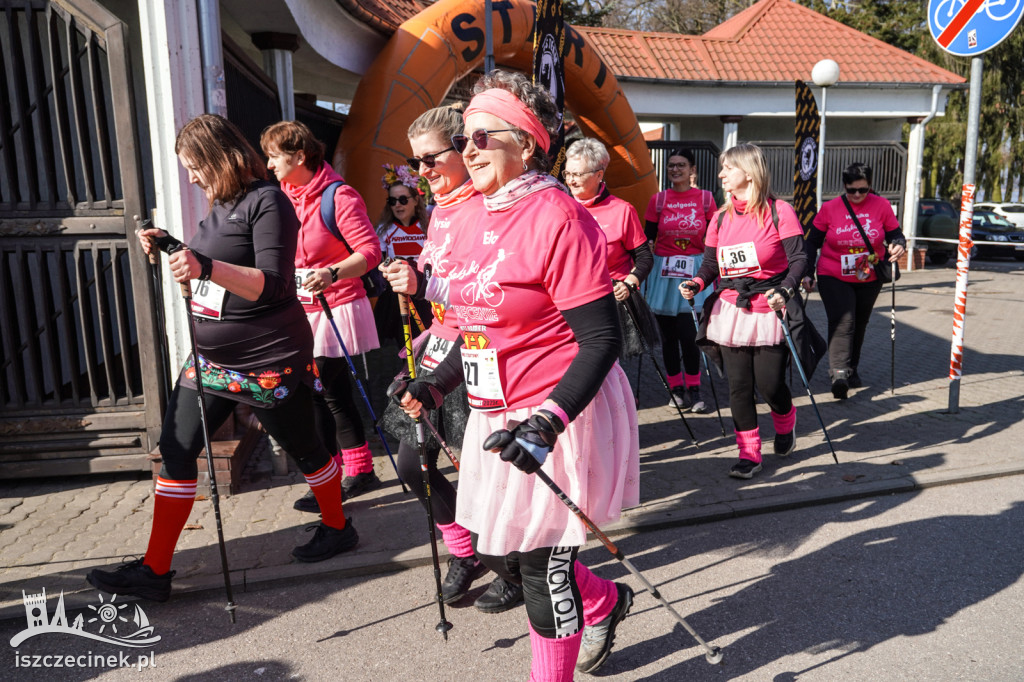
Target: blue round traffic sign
column 967, row 28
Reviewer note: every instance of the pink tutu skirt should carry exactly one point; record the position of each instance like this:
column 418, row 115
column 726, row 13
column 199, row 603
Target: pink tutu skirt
column 738, row 327
column 596, row 462
column 355, row 322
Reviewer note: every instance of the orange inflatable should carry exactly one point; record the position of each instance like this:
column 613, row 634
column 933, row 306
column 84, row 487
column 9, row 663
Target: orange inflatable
column 440, row 45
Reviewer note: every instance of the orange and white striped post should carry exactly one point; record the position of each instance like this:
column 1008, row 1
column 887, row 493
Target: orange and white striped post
column 963, row 266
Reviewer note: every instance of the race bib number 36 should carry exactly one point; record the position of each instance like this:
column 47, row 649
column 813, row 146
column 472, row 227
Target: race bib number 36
column 207, row 299
column 738, row 260
column 483, row 382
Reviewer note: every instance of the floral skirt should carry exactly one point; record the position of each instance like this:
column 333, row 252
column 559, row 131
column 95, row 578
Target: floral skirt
column 267, row 388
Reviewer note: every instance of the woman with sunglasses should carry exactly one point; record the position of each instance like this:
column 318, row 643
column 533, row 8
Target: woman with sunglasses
column 529, row 287
column 675, row 221
column 330, row 266
column 402, row 233
column 629, row 255
column 457, row 206
column 755, row 246
column 846, row 273
column 255, row 347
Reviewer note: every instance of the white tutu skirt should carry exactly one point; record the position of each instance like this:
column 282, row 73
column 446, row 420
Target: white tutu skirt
column 729, row 325
column 355, row 323
column 596, row 462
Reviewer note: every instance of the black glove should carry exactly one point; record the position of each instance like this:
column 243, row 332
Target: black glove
column 427, row 392
column 167, row 243
column 527, row 445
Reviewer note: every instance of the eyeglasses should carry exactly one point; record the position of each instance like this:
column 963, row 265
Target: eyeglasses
column 403, row 200
column 570, row 176
column 858, row 190
column 428, row 160
column 479, row 137
column 676, row 165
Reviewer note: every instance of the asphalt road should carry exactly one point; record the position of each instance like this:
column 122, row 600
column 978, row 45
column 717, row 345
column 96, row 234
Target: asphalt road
column 905, row 587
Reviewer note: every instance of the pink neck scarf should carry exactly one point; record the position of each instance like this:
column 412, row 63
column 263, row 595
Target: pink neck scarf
column 507, row 107
column 519, row 188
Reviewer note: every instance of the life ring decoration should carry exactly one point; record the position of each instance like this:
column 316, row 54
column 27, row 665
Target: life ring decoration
column 431, row 51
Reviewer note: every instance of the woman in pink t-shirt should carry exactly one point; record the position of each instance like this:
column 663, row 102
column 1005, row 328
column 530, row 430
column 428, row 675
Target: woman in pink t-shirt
column 530, row 289
column 755, row 245
column 330, row 266
column 629, row 256
column 846, row 273
column 676, row 221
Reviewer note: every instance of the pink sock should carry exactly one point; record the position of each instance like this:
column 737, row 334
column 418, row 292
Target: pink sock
column 784, row 423
column 456, row 539
column 750, row 445
column 675, row 380
column 599, row 595
column 692, row 380
column 554, row 660
column 358, row 460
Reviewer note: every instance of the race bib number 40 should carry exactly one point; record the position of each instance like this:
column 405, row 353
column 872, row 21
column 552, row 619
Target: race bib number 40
column 483, row 381
column 738, row 260
column 683, row 267
column 208, row 299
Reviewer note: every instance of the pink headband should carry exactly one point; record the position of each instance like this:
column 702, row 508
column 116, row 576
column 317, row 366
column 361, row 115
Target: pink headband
column 507, row 107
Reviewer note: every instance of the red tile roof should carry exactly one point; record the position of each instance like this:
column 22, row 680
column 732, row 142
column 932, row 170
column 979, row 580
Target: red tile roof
column 770, row 41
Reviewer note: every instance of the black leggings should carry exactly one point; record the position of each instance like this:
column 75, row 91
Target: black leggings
column 290, row 423
column 337, row 416
column 442, row 492
column 848, row 308
column 764, row 366
column 678, row 331
column 548, row 576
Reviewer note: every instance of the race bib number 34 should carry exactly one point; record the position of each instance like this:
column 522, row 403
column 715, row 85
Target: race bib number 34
column 738, row 260
column 483, row 381
column 437, row 350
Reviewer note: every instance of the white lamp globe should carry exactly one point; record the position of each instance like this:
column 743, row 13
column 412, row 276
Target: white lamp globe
column 825, row 73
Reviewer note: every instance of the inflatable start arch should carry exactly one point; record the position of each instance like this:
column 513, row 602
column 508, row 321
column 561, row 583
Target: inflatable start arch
column 440, row 45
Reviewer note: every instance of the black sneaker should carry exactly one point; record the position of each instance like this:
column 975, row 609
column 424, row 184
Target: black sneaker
column 854, row 380
column 500, row 596
column 598, row 638
column 840, row 384
column 354, row 486
column 745, row 468
column 327, row 542
column 785, row 443
column 133, row 578
column 697, row 405
column 462, row 571
column 678, row 398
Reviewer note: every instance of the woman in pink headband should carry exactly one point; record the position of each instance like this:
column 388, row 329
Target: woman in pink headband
column 528, row 284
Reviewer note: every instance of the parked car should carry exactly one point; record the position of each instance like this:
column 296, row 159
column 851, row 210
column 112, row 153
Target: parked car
column 1011, row 211
column 987, row 226
column 939, row 220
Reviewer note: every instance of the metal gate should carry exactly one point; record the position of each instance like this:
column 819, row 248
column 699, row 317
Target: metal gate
column 81, row 379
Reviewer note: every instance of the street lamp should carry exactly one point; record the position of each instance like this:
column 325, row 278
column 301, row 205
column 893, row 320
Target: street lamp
column 824, row 74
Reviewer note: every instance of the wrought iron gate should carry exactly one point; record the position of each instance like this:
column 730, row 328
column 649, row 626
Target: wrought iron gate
column 81, row 379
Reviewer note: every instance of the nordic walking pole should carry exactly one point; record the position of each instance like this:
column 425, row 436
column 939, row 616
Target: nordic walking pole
column 707, row 370
column 362, row 391
column 803, row 377
column 498, row 440
column 892, row 334
column 154, row 269
column 404, row 304
column 664, row 381
column 186, row 292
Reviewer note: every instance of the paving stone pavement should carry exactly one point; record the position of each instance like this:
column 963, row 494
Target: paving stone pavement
column 54, row 530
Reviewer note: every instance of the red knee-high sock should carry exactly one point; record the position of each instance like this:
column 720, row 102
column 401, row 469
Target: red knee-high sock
column 599, row 595
column 326, row 486
column 554, row 660
column 172, row 504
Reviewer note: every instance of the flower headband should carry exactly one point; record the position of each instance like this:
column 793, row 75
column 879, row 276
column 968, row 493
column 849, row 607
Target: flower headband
column 404, row 175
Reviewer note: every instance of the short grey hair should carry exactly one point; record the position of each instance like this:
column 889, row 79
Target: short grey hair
column 591, row 151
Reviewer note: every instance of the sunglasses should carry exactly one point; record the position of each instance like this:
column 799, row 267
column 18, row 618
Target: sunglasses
column 479, row 137
column 428, row 160
column 403, row 200
column 858, row 190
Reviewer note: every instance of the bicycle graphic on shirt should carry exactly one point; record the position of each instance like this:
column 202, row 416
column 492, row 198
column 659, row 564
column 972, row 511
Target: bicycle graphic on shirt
column 997, row 10
column 483, row 288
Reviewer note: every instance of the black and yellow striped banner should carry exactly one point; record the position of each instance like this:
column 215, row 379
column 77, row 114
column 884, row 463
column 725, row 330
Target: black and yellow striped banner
column 805, row 167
